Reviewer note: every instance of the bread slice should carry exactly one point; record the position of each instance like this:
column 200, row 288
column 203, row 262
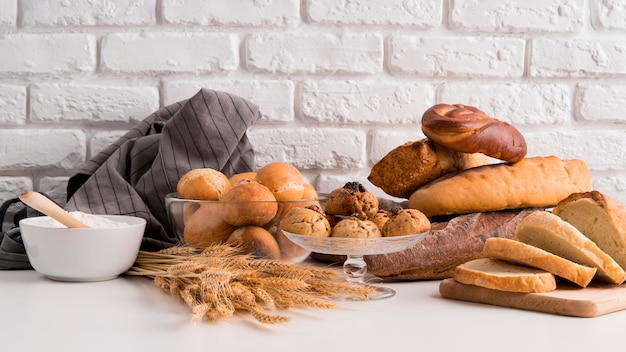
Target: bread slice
column 549, row 232
column 521, row 253
column 531, row 182
column 413, row 164
column 599, row 217
column 503, row 276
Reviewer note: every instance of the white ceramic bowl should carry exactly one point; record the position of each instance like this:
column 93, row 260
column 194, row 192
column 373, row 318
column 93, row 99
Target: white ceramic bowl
column 91, row 254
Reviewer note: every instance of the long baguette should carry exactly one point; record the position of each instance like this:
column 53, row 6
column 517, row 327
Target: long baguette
column 531, row 182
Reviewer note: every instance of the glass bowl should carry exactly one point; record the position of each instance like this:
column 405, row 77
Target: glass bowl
column 206, row 222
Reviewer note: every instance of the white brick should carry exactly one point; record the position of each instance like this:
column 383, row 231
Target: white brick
column 384, row 141
column 577, row 58
column 12, row 105
column 8, row 12
column 101, row 140
column 88, row 13
column 518, row 104
column 47, row 53
column 600, row 149
column 517, row 15
column 55, row 188
column 454, row 56
column 365, row 101
column 170, row 52
column 613, row 185
column 608, row 14
column 604, row 103
column 97, row 103
column 418, row 13
column 274, row 98
column 232, row 12
column 307, row 148
column 315, row 53
column 11, row 187
column 42, row 148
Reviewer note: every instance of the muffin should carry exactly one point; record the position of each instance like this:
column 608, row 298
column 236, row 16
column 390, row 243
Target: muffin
column 308, row 221
column 352, row 200
column 405, row 222
column 356, row 228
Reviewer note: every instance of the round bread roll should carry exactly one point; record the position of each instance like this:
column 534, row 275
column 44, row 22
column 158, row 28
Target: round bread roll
column 467, row 129
column 352, row 200
column 406, row 222
column 283, row 179
column 205, row 227
column 202, row 184
column 309, row 221
column 356, row 228
column 248, row 203
column 310, row 192
column 242, row 176
column 255, row 240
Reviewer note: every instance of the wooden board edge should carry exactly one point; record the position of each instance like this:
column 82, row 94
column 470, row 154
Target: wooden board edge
column 451, row 289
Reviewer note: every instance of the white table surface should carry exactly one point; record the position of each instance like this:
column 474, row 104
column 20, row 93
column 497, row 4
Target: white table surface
column 132, row 314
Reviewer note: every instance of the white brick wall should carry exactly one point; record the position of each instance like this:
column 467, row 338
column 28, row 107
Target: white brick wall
column 339, row 83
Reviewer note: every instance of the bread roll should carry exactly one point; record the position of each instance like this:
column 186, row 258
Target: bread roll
column 467, row 129
column 409, row 166
column 500, row 275
column 248, row 203
column 549, row 232
column 524, row 254
column 242, row 176
column 283, row 179
column 532, row 182
column 202, row 184
column 204, row 227
column 255, row 240
column 600, row 218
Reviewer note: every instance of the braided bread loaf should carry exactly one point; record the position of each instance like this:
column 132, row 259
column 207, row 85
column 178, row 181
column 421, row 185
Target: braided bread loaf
column 467, row 129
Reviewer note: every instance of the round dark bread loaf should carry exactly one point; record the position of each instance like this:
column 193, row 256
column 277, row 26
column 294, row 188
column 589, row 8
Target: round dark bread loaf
column 467, row 129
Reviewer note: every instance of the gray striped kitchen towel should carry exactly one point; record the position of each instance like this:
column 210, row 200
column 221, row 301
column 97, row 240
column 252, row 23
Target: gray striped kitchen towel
column 133, row 175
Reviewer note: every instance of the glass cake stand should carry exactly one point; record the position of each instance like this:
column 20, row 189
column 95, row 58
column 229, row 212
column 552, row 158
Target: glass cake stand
column 355, row 266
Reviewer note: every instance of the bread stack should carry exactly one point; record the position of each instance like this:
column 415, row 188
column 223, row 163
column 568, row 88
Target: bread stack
column 472, row 178
column 583, row 238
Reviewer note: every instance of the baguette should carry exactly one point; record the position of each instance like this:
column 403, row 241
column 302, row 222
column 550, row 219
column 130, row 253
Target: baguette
column 551, row 233
column 532, row 182
column 599, row 217
column 500, row 275
column 524, row 254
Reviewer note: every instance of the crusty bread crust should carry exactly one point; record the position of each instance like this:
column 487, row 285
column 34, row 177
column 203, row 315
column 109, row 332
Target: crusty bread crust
column 599, row 217
column 524, row 254
column 500, row 275
column 413, row 164
column 531, row 182
column 551, row 233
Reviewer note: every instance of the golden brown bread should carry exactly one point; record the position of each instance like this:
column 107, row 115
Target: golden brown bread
column 531, row 182
column 352, row 200
column 204, row 226
column 599, row 217
column 551, row 233
column 413, row 164
column 283, row 179
column 405, row 222
column 500, row 275
column 248, row 203
column 467, row 129
column 355, row 228
column 524, row 254
column 255, row 240
column 202, row 184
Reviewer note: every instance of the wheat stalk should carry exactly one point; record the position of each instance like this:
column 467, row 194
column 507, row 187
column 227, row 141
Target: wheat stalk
column 219, row 280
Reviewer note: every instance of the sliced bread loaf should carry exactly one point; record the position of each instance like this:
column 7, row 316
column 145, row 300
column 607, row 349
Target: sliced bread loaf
column 524, row 254
column 549, row 232
column 503, row 276
column 599, row 217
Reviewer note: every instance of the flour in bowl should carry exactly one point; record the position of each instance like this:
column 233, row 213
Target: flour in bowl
column 87, row 219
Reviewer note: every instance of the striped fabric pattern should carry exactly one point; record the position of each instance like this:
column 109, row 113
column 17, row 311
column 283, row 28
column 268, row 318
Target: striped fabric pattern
column 133, row 175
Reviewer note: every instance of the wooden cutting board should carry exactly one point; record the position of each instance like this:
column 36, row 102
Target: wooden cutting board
column 568, row 299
